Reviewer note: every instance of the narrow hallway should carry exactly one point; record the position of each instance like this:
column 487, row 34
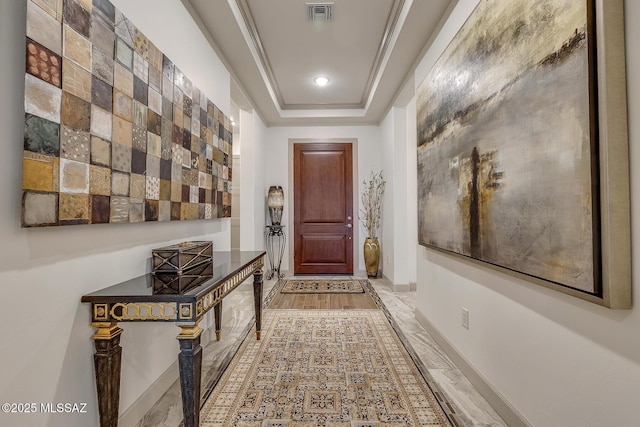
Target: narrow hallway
column 469, row 407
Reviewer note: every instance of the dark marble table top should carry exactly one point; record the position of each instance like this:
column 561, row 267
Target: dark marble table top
column 143, row 289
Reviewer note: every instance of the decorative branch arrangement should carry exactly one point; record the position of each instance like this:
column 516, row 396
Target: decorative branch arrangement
column 372, row 204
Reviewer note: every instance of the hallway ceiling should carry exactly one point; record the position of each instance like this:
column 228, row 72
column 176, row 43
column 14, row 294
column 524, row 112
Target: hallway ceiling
column 273, row 51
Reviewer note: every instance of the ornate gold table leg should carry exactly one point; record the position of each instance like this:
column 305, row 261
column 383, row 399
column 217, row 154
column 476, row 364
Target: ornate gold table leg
column 217, row 311
column 257, row 300
column 190, row 363
column 107, row 361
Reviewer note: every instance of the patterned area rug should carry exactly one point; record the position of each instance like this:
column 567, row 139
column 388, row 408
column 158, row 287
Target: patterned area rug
column 315, row 286
column 323, row 368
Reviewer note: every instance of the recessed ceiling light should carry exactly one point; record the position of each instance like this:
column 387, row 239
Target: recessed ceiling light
column 321, row 80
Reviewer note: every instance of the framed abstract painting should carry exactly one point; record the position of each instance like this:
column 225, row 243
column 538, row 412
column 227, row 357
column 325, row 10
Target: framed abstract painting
column 522, row 146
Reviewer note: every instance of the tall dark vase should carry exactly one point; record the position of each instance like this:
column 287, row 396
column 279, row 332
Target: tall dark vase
column 275, row 203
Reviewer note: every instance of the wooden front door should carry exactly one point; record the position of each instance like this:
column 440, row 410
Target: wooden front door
column 323, row 208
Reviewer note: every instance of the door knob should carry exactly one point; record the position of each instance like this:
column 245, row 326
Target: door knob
column 349, row 218
column 349, row 225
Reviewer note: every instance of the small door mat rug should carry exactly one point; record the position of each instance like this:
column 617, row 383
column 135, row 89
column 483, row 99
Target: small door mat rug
column 316, row 286
column 323, row 368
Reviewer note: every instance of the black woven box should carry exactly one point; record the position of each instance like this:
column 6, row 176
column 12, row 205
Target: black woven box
column 181, row 257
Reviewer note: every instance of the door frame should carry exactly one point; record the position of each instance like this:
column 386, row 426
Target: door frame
column 356, row 194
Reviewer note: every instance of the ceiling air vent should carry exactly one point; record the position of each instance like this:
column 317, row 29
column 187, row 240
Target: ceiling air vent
column 320, row 12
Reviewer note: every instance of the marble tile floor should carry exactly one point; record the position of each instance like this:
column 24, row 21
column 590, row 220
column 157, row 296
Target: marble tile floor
column 469, row 405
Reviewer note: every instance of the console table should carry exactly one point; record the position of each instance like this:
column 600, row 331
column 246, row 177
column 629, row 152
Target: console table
column 143, row 300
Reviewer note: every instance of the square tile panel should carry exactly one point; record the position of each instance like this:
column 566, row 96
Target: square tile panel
column 139, row 138
column 124, row 28
column 138, row 162
column 136, row 212
column 114, row 131
column 176, row 191
column 177, row 136
column 167, row 88
column 124, row 54
column 140, row 67
column 178, row 97
column 155, row 79
column 120, row 157
column 154, row 122
column 74, row 144
column 140, row 90
column 102, row 65
column 74, row 176
column 187, row 87
column 52, row 7
column 186, row 125
column 153, row 166
column 39, row 173
column 76, row 80
column 155, row 100
column 100, row 209
column 139, row 114
column 167, row 68
column 155, row 57
column 101, row 123
column 76, row 47
column 39, row 209
column 119, row 183
column 151, row 208
column 77, row 17
column 44, row 28
column 100, row 152
column 101, row 95
column 122, row 105
column 164, row 212
column 99, row 180
column 123, row 79
column 178, row 79
column 122, row 133
column 44, row 63
column 165, row 169
column 106, row 10
column 41, row 136
column 138, row 184
column 141, row 44
column 153, row 188
column 119, row 209
column 178, row 115
column 166, row 135
column 75, row 112
column 154, row 145
column 102, row 36
column 41, row 98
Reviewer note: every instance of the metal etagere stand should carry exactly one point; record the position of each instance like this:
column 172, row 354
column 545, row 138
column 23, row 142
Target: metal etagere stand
column 276, row 241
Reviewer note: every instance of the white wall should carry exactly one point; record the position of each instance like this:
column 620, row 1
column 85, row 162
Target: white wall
column 46, row 351
column 279, row 171
column 397, row 258
column 259, row 194
column 560, row 361
column 387, row 224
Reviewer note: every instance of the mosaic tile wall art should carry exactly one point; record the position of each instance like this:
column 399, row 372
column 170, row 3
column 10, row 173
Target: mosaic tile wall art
column 114, row 130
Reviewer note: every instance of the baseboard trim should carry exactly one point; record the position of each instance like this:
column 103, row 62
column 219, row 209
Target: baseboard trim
column 138, row 409
column 500, row 404
column 397, row 287
column 143, row 404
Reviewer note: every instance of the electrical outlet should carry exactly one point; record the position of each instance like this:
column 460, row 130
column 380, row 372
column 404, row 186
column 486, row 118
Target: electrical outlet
column 388, row 259
column 465, row 318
